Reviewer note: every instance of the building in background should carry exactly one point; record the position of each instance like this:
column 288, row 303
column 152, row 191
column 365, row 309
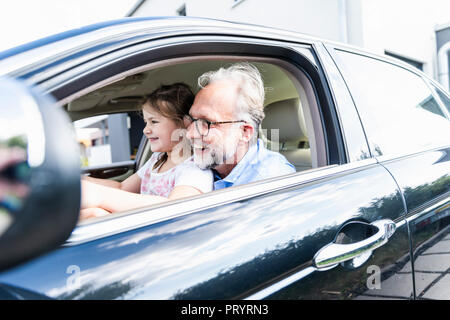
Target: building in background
column 443, row 54
column 415, row 31
column 108, row 139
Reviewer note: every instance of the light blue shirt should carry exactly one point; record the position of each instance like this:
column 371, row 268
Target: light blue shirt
column 257, row 164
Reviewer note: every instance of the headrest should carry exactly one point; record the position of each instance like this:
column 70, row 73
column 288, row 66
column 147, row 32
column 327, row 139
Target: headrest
column 287, row 116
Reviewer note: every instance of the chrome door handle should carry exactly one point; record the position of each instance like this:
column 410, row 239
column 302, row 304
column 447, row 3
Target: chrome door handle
column 334, row 253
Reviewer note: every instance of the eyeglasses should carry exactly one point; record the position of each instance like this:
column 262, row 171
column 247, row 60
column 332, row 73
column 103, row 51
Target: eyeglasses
column 203, row 125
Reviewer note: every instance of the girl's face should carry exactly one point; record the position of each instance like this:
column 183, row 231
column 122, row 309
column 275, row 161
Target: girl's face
column 161, row 132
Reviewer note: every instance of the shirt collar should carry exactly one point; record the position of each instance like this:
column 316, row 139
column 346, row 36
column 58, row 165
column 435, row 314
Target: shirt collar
column 250, row 158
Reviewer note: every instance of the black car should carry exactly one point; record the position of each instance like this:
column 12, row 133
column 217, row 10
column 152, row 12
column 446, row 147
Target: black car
column 366, row 215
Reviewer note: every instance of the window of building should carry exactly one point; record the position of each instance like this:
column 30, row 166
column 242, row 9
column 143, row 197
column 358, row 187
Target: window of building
column 107, row 139
column 182, row 10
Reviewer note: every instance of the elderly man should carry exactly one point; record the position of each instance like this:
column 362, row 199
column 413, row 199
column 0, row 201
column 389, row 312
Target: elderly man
column 225, row 117
column 223, row 131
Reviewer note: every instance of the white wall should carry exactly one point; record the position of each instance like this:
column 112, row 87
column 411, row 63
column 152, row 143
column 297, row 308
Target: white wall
column 315, row 17
column 159, row 8
column 403, row 27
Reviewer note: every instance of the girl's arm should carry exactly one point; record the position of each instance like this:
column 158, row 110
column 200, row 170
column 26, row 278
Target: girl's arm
column 92, row 213
column 183, row 191
column 130, row 184
column 115, row 200
column 103, row 182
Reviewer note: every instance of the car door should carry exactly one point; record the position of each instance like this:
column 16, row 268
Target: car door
column 408, row 129
column 268, row 239
column 429, row 223
column 252, row 242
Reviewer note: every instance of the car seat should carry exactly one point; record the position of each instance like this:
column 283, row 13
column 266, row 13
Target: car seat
column 283, row 130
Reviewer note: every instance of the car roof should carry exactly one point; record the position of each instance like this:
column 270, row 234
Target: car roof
column 172, row 20
column 22, row 59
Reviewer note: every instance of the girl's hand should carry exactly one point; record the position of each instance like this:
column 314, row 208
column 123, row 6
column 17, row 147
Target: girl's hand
column 92, row 213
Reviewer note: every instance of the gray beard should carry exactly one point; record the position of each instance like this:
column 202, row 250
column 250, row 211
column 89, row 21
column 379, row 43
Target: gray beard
column 212, row 160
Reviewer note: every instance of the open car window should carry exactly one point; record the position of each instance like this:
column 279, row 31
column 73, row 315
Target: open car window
column 292, row 125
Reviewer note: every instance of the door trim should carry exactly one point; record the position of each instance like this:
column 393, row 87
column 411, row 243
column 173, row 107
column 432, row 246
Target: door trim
column 97, row 228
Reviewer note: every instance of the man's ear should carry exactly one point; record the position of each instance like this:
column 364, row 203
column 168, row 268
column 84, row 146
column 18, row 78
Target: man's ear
column 247, row 132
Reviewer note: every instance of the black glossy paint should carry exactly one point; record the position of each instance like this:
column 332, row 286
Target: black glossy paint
column 220, row 253
column 427, row 198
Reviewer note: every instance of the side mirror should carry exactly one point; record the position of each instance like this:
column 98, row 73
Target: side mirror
column 39, row 174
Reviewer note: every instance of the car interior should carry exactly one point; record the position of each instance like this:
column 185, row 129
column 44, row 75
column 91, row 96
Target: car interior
column 292, row 124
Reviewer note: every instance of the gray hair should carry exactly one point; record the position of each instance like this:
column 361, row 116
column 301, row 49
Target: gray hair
column 250, row 101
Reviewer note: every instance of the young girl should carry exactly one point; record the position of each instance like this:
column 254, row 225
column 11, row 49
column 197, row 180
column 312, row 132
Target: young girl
column 170, row 173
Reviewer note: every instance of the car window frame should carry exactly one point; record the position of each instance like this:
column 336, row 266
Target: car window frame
column 233, row 46
column 354, row 135
column 98, row 228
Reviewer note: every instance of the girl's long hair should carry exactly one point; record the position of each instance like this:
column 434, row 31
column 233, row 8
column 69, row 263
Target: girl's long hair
column 171, row 101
